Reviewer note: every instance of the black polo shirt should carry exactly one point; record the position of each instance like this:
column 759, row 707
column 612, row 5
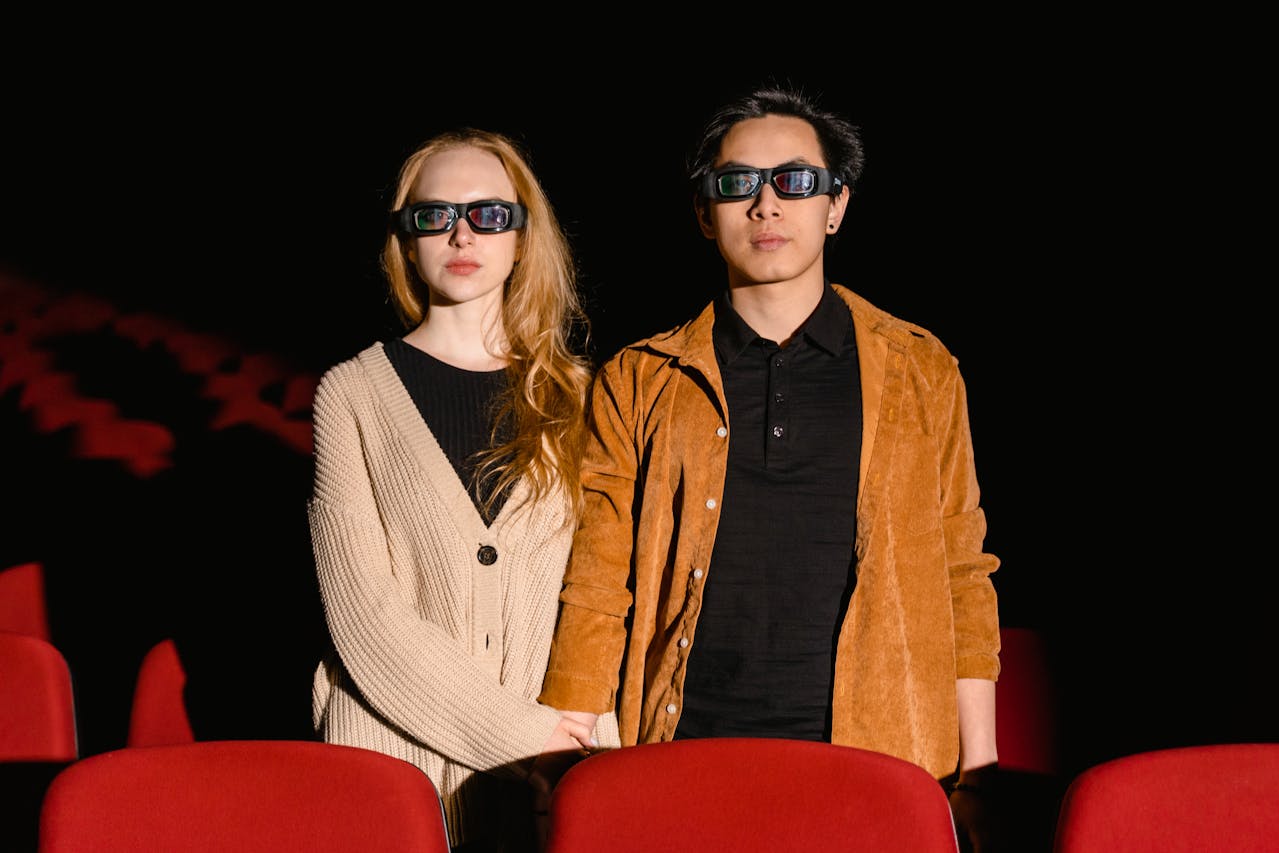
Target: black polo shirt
column 782, row 570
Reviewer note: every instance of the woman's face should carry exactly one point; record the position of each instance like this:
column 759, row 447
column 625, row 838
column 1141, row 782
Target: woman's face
column 463, row 265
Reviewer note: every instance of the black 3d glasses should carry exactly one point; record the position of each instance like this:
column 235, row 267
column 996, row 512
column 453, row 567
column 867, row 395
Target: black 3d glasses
column 735, row 183
column 490, row 216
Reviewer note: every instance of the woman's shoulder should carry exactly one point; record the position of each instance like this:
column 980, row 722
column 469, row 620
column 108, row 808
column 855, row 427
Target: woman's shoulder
column 352, row 373
column 357, row 363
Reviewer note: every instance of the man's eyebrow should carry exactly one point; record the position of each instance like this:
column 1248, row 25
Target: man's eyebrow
column 794, row 161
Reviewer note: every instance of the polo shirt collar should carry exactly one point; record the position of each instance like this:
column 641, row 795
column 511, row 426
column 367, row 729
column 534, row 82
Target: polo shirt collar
column 826, row 327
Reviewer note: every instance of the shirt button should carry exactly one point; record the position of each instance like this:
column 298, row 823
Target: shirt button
column 697, row 573
column 487, row 555
column 710, row 504
column 777, row 431
column 671, row 709
column 779, row 398
column 683, row 642
column 721, row 432
column 777, row 362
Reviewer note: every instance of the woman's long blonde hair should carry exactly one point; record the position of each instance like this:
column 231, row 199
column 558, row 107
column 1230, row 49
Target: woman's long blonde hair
column 541, row 313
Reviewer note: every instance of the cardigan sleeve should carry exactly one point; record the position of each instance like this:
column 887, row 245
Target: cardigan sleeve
column 410, row 670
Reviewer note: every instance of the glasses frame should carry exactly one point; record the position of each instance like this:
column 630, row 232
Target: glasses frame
column 825, row 183
column 405, row 219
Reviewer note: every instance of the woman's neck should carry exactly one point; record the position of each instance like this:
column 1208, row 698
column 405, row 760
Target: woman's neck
column 456, row 337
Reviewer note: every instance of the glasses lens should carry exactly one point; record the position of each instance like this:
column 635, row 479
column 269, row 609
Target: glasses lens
column 795, row 182
column 737, row 184
column 433, row 217
column 489, row 217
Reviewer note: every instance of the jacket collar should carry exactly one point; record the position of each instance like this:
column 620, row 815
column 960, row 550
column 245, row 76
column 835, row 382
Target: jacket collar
column 693, row 343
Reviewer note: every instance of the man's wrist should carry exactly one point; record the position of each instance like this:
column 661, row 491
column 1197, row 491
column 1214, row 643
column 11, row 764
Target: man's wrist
column 977, row 780
column 969, row 788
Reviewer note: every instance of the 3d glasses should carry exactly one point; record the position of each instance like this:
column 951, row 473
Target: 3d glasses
column 490, row 216
column 735, row 183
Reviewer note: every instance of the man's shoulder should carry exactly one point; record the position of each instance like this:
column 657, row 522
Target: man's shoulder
column 871, row 318
column 675, row 342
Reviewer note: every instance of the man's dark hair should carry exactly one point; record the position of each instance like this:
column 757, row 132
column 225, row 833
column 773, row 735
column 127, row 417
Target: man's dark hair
column 840, row 140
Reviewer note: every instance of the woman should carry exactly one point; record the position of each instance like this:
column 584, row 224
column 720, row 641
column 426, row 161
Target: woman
column 445, row 493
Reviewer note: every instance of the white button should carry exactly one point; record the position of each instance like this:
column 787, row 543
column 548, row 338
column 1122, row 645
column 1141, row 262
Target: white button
column 721, row 432
column 683, row 642
column 670, row 709
column 697, row 573
column 710, row 504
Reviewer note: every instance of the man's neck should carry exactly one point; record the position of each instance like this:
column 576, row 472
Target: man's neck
column 776, row 310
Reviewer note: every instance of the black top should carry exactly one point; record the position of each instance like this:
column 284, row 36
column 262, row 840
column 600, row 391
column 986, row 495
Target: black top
column 782, row 569
column 458, row 407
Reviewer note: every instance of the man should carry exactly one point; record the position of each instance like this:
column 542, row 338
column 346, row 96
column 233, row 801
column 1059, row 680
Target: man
column 782, row 534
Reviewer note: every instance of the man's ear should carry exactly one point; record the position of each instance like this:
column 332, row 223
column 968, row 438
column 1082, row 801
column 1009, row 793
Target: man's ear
column 838, row 205
column 702, row 210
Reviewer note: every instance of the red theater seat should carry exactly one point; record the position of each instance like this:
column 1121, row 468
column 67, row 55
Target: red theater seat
column 243, row 795
column 23, row 606
column 748, row 794
column 37, row 702
column 1026, row 728
column 1212, row 797
column 158, row 715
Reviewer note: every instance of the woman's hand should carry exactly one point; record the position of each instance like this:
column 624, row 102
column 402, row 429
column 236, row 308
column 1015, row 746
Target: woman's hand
column 570, row 742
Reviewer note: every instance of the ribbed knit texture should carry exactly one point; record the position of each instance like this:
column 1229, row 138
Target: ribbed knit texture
column 439, row 658
column 458, row 407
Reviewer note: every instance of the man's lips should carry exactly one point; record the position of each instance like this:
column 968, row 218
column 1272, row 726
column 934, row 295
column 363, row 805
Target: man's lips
column 768, row 242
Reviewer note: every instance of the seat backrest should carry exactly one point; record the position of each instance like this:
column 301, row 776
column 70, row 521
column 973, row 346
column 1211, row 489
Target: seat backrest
column 1026, row 711
column 250, row 796
column 1209, row 797
column 37, row 701
column 158, row 715
column 748, row 794
column 24, row 609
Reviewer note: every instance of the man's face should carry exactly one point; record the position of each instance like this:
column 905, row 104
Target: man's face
column 767, row 239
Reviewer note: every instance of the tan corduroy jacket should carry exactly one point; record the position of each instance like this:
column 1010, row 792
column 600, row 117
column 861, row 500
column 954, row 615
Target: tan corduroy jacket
column 924, row 609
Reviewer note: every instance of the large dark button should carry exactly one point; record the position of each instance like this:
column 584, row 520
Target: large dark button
column 487, row 555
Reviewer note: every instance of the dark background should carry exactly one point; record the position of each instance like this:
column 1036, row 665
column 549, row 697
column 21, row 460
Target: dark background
column 1067, row 214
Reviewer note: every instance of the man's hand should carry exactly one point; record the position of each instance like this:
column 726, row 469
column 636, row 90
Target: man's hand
column 975, row 802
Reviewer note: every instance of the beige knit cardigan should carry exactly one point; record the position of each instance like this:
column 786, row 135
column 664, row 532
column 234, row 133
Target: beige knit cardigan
column 438, row 656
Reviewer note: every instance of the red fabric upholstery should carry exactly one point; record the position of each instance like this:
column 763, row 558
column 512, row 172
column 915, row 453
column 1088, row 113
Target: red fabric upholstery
column 23, row 606
column 242, row 795
column 37, row 703
column 158, row 715
column 1026, row 728
column 748, row 794
column 1212, row 797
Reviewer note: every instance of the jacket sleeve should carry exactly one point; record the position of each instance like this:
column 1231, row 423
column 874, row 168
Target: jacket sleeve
column 590, row 637
column 410, row 670
column 973, row 600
